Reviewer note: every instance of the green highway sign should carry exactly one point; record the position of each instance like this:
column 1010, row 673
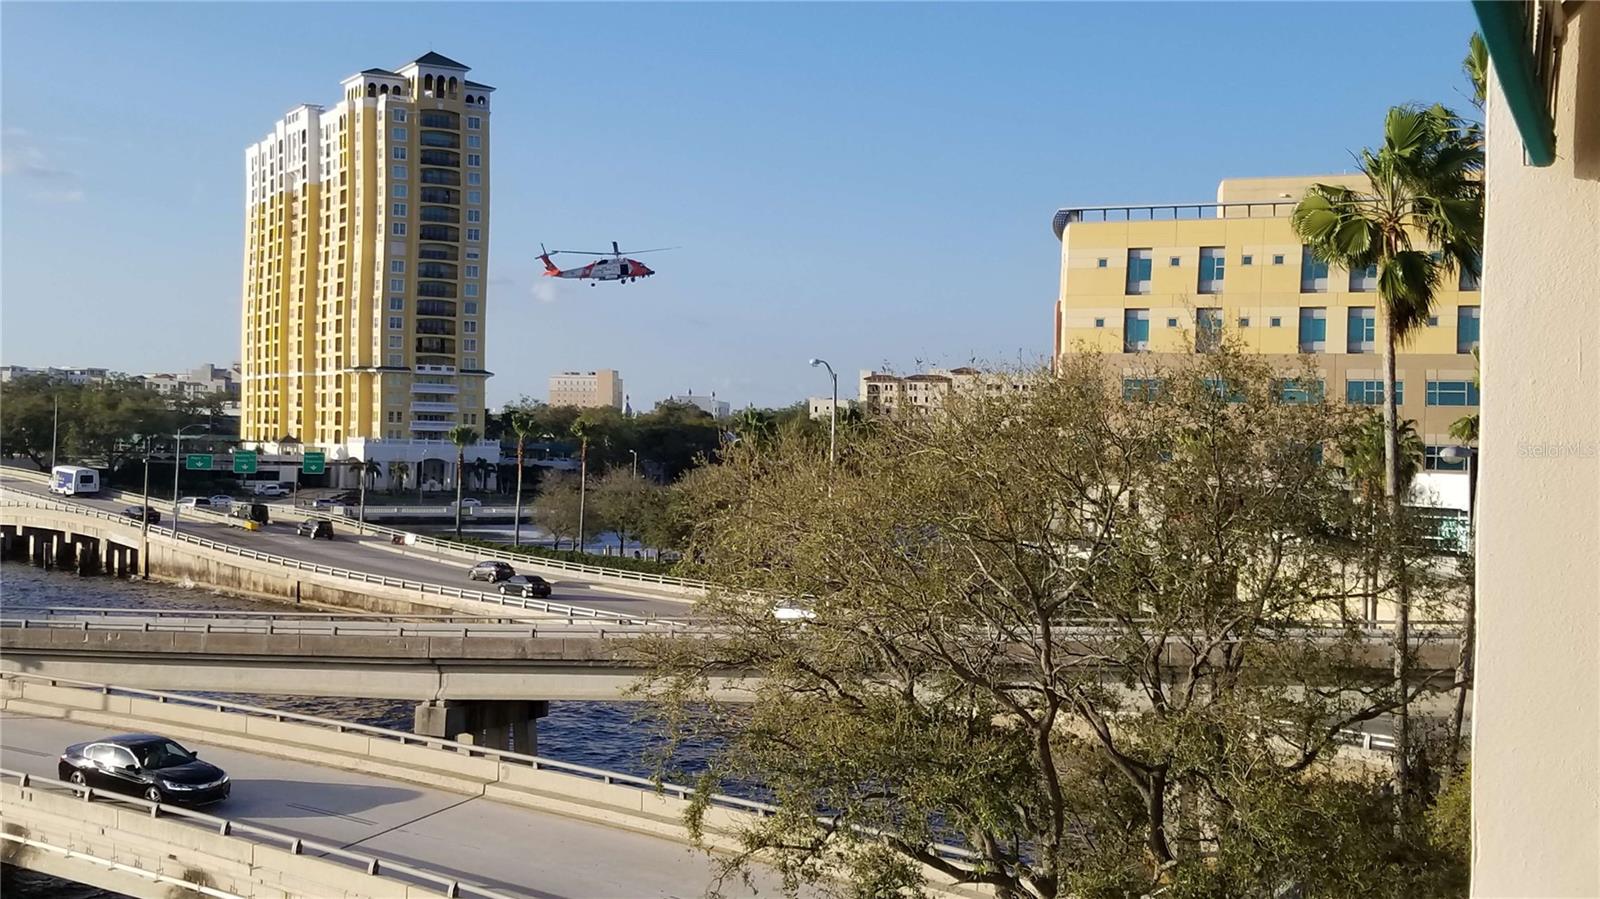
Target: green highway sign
column 244, row 462
column 197, row 461
column 314, row 463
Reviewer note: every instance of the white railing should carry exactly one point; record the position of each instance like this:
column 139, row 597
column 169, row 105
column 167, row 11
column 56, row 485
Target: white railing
column 412, row 538
column 379, row 868
column 534, row 605
column 215, row 622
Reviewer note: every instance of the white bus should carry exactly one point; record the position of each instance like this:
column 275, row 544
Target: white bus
column 74, row 479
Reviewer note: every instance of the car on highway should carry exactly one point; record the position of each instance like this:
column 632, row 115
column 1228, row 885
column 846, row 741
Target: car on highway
column 270, row 488
column 491, row 571
column 323, row 504
column 222, row 502
column 142, row 513
column 145, row 765
column 314, row 528
column 526, row 585
column 194, row 502
column 469, row 503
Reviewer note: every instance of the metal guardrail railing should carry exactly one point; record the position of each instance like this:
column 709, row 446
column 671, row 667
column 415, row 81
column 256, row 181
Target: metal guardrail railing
column 188, row 886
column 534, row 762
column 532, row 605
column 412, row 538
column 273, row 626
column 377, row 867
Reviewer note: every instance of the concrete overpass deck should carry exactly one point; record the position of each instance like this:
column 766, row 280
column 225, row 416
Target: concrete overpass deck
column 374, row 553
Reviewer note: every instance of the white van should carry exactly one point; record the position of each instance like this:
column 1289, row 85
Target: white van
column 70, row 480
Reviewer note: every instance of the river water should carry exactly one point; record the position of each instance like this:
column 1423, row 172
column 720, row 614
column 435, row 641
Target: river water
column 608, row 735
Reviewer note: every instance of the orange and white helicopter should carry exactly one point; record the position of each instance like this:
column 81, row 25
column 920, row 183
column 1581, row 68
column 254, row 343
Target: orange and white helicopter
column 612, row 266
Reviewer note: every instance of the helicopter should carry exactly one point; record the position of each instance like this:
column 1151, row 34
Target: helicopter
column 612, row 266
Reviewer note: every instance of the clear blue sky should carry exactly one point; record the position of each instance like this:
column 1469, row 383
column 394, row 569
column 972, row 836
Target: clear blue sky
column 868, row 183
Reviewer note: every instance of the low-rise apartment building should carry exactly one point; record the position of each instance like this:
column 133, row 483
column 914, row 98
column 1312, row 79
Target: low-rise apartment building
column 587, row 389
column 1142, row 281
column 884, row 392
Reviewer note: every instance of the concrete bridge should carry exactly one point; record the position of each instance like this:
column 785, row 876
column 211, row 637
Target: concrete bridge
column 327, row 809
column 370, row 572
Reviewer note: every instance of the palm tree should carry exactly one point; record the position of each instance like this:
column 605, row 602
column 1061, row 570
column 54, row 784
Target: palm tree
column 523, row 425
column 1476, row 65
column 463, row 437
column 581, row 430
column 1425, row 183
column 480, row 470
column 398, row 471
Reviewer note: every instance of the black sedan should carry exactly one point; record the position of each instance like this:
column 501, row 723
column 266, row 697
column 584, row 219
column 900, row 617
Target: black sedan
column 145, row 765
column 526, row 585
column 145, row 513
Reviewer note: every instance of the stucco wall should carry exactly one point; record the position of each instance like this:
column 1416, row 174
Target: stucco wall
column 1536, row 714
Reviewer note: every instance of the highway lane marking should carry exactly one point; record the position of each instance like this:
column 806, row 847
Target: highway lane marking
column 330, row 813
column 7, row 747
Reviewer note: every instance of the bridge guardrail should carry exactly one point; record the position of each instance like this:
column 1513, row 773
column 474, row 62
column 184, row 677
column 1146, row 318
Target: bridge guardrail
column 414, row 539
column 551, row 608
column 271, row 626
column 373, row 865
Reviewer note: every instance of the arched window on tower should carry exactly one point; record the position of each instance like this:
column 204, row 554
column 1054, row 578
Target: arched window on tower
column 383, row 89
column 427, row 84
column 452, row 86
column 372, row 90
column 469, row 99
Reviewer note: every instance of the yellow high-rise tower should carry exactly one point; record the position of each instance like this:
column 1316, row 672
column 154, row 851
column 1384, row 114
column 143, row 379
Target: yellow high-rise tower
column 366, row 255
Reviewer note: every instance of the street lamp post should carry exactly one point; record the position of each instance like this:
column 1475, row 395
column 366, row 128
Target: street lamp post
column 55, row 425
column 144, row 526
column 635, row 455
column 583, row 484
column 833, row 411
column 177, row 467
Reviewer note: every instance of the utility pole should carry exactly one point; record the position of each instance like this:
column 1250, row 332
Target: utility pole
column 144, row 526
column 583, row 485
column 177, row 467
column 55, row 424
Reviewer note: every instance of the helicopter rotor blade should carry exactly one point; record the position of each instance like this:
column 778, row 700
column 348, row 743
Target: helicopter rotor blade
column 580, row 252
column 655, row 250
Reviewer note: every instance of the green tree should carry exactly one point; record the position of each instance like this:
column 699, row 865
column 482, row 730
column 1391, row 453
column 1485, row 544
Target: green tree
column 1476, row 66
column 463, row 437
column 623, row 502
column 555, row 509
column 1424, row 184
column 1465, row 428
column 1064, row 632
column 398, row 470
column 28, row 412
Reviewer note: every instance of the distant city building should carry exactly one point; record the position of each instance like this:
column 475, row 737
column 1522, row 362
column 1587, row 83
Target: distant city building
column 587, row 390
column 70, row 375
column 821, row 407
column 198, row 383
column 883, row 392
column 366, row 270
column 709, row 404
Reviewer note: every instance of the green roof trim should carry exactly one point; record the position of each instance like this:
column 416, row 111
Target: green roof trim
column 1505, row 31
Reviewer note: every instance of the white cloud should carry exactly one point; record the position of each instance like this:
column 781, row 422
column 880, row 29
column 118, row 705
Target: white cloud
column 23, row 156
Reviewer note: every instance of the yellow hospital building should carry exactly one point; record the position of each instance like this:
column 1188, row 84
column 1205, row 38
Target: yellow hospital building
column 365, row 269
column 1171, row 278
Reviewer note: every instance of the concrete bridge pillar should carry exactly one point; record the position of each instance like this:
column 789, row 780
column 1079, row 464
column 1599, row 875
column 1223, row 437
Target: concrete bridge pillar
column 497, row 724
column 88, row 552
